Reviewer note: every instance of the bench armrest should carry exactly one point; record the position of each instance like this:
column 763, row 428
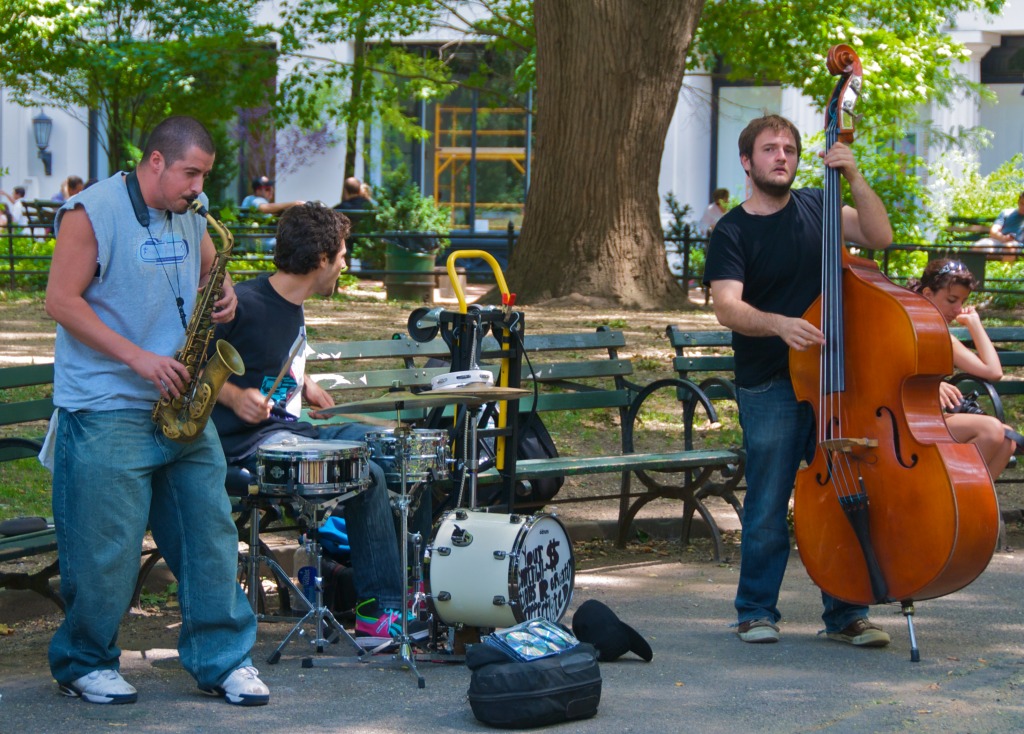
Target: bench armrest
column 695, row 397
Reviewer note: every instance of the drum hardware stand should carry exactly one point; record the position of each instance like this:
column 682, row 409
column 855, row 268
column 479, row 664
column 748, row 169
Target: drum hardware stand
column 404, row 657
column 256, row 557
column 321, row 617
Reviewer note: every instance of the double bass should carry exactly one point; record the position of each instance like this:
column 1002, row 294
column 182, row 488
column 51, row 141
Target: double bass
column 891, row 509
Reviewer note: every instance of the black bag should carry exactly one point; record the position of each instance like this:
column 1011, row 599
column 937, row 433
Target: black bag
column 510, row 694
column 536, row 443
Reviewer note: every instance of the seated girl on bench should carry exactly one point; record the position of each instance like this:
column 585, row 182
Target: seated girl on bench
column 948, row 284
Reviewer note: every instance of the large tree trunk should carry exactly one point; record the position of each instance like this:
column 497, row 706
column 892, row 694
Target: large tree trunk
column 608, row 78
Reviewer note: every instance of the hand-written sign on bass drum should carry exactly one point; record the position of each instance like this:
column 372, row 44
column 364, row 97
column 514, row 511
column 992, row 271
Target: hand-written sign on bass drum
column 545, row 579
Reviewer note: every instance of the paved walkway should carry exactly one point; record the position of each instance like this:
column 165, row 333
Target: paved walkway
column 702, row 679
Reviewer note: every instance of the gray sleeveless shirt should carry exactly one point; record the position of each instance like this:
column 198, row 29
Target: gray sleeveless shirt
column 139, row 273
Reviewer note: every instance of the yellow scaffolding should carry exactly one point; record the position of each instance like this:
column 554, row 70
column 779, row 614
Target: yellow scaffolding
column 452, row 154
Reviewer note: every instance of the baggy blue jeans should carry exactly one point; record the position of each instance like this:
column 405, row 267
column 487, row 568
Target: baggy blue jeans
column 114, row 474
column 778, row 432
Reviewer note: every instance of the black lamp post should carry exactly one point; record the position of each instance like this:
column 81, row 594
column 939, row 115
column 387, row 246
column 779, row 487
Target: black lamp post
column 42, row 126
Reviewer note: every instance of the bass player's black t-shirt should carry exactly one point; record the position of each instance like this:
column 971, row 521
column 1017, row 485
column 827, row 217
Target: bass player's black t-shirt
column 778, row 258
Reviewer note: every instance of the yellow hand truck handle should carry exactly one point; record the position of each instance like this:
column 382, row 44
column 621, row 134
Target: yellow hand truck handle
column 457, row 287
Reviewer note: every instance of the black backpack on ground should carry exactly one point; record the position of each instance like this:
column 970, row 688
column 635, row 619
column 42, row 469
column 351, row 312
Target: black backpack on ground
column 507, row 693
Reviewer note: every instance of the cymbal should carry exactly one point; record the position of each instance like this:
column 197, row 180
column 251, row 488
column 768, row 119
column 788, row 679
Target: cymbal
column 395, row 401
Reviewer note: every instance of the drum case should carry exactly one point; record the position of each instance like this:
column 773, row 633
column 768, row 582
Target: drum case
column 509, row 694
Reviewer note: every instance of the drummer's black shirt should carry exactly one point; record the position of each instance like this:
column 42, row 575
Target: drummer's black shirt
column 778, row 259
column 263, row 331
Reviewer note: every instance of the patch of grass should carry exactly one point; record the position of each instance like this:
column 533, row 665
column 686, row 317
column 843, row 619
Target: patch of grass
column 610, row 323
column 647, row 364
column 25, row 489
column 167, row 597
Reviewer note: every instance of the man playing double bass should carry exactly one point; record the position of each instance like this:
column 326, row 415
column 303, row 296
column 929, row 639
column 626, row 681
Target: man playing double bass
column 764, row 266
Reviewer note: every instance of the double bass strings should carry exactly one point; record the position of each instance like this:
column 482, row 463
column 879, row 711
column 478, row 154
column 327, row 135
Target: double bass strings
column 831, row 369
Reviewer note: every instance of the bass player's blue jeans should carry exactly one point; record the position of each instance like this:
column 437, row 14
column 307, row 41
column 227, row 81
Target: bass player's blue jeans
column 778, row 433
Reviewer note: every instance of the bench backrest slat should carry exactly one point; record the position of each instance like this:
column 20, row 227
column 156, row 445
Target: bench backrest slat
column 26, row 410
column 26, row 375
column 405, row 347
column 704, row 363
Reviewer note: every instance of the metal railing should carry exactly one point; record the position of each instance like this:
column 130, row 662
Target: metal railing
column 685, row 255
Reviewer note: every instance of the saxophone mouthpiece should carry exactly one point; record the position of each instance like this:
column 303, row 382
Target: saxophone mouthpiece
column 196, row 206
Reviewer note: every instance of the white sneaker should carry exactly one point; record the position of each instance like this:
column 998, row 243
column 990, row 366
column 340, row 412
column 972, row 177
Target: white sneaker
column 101, row 686
column 242, row 688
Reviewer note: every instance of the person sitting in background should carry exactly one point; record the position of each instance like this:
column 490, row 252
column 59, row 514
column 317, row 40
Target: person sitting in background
column 948, row 284
column 262, row 198
column 68, row 188
column 352, row 196
column 16, row 209
column 1007, row 230
column 714, row 212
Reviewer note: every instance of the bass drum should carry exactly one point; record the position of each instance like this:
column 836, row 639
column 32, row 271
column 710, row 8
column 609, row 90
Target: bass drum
column 493, row 570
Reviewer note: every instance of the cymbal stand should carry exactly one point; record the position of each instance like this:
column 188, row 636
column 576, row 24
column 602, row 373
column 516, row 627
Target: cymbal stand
column 405, row 655
column 319, row 615
column 472, row 453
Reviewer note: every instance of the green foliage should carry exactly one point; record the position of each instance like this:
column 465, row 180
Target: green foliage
column 378, row 82
column 959, row 190
column 683, row 227
column 169, row 595
column 401, row 208
column 908, row 62
column 135, row 62
column 25, row 251
column 893, row 174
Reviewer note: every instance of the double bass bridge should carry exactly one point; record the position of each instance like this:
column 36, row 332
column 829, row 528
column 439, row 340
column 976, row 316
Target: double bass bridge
column 848, row 445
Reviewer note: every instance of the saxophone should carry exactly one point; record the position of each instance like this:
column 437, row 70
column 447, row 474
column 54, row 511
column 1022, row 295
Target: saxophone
column 183, row 418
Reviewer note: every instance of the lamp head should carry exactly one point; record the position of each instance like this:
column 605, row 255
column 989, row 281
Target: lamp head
column 42, row 126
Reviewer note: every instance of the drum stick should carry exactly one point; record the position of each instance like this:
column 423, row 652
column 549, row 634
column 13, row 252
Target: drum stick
column 296, row 346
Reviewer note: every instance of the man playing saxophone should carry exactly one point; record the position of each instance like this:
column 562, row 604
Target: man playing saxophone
column 126, row 269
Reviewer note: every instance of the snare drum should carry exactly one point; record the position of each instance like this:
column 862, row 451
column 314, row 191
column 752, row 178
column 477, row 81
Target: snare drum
column 493, row 570
column 312, row 469
column 426, row 454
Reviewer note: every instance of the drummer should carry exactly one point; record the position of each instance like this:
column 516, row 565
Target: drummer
column 309, row 255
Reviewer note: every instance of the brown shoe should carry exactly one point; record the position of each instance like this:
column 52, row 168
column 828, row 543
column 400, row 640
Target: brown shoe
column 757, row 630
column 862, row 633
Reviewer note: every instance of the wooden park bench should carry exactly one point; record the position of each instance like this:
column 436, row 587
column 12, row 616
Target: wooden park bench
column 28, row 415
column 576, row 374
column 25, row 414
column 40, row 214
